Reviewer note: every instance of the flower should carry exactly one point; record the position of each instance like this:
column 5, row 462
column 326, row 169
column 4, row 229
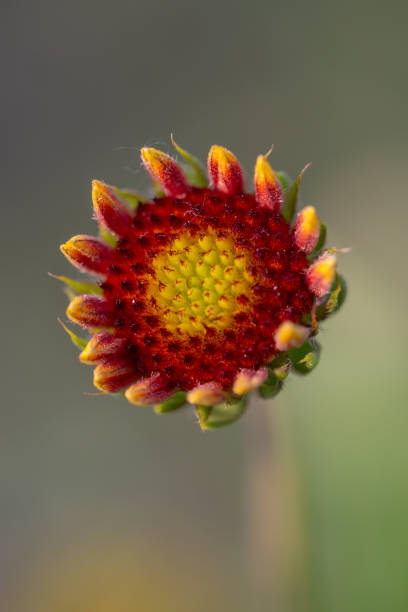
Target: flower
column 204, row 293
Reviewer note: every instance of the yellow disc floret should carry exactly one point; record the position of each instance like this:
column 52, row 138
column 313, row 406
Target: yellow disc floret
column 201, row 282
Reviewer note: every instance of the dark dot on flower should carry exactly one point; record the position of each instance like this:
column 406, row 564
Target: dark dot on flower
column 174, row 346
column 115, row 269
column 188, row 359
column 127, row 285
column 138, row 268
column 135, row 326
column 241, row 317
column 143, row 241
column 175, row 222
column 152, row 320
column 150, row 340
column 137, row 305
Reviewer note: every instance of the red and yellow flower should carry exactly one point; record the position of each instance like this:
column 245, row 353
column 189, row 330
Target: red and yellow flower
column 204, row 293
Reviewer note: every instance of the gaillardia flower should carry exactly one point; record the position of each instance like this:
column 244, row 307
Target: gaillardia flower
column 204, row 292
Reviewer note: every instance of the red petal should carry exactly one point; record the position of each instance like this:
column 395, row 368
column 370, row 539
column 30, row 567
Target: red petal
column 88, row 254
column 268, row 190
column 149, row 391
column 225, row 171
column 114, row 375
column 101, row 346
column 90, row 311
column 165, row 171
column 109, row 210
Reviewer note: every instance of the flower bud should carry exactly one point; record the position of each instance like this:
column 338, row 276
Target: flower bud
column 307, row 229
column 320, row 275
column 109, row 209
column 207, row 394
column 247, row 380
column 268, row 190
column 90, row 311
column 149, row 391
column 111, row 376
column 225, row 171
column 290, row 335
column 101, row 346
column 88, row 253
column 165, row 171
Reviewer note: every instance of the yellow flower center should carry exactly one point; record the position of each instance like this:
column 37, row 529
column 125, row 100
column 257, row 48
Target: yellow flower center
column 201, row 282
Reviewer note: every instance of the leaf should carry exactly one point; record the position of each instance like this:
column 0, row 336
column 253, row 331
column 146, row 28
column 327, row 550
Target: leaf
column 291, row 197
column 79, row 342
column 195, row 172
column 320, row 242
column 226, row 413
column 78, row 286
column 177, row 400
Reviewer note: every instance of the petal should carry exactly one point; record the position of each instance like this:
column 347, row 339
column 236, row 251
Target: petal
column 149, row 391
column 113, row 375
column 290, row 335
column 268, row 190
column 307, row 229
column 225, row 171
column 320, row 275
column 90, row 311
column 207, row 394
column 88, row 253
column 165, row 171
column 247, row 380
column 109, row 210
column 101, row 346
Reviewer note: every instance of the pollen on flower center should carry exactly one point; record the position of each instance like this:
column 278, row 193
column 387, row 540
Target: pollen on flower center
column 201, row 282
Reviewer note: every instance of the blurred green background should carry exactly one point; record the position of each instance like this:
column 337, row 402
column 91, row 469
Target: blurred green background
column 302, row 506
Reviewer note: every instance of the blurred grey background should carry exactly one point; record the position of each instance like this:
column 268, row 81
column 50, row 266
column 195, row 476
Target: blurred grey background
column 108, row 507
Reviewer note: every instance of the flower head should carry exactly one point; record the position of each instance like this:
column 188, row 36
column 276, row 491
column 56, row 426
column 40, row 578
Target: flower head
column 203, row 293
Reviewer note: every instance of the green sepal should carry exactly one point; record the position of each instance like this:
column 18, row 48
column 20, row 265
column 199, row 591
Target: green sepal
column 278, row 361
column 194, row 171
column 107, row 237
column 176, row 401
column 76, row 340
column 338, row 296
column 306, row 357
column 271, row 387
column 225, row 413
column 157, row 189
column 282, row 371
column 284, row 179
column 291, row 197
column 78, row 286
column 298, row 353
column 203, row 413
column 131, row 197
column 334, row 299
column 320, row 242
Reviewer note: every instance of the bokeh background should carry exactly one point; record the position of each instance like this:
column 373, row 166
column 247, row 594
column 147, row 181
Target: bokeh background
column 303, row 505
